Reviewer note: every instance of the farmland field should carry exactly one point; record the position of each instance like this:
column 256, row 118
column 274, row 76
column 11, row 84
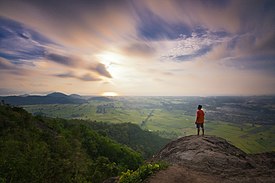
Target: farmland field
column 246, row 122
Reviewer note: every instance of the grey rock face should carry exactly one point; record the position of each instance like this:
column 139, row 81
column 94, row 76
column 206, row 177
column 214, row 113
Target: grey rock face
column 215, row 157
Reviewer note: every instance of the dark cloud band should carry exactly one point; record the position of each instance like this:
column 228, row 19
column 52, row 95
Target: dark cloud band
column 85, row 77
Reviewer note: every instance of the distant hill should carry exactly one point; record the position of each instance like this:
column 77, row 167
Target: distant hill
column 53, row 98
column 76, row 96
column 57, row 94
column 101, row 99
column 212, row 159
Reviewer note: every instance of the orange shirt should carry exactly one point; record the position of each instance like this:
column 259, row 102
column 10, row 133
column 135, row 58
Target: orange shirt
column 200, row 116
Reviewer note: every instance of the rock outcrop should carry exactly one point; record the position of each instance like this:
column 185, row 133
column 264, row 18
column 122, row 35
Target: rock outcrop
column 212, row 159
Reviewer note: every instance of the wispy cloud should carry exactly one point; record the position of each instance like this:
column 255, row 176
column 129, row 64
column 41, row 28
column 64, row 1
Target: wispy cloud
column 6, row 65
column 101, row 69
column 21, row 45
column 65, row 75
column 11, row 68
column 139, row 49
column 61, row 59
column 88, row 77
column 198, row 44
column 85, row 77
column 159, row 45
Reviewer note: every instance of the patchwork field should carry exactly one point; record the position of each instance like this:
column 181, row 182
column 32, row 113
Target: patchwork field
column 173, row 117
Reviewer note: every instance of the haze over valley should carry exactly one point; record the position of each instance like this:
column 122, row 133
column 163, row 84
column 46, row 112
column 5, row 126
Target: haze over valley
column 248, row 122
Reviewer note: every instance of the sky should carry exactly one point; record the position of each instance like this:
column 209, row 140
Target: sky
column 137, row 47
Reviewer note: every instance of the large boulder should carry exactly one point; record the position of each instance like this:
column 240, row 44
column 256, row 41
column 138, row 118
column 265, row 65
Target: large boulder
column 213, row 158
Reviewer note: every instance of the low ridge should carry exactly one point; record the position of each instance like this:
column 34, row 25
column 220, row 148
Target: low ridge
column 212, row 159
column 52, row 98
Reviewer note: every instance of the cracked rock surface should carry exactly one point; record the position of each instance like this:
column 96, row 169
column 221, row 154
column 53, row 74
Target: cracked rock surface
column 212, row 159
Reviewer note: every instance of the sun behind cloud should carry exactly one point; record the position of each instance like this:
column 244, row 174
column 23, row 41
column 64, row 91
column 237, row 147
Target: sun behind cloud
column 109, row 94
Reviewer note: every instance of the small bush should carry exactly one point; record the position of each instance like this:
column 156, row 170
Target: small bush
column 141, row 173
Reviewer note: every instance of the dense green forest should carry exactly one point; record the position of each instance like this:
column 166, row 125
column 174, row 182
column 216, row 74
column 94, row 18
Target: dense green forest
column 144, row 142
column 40, row 149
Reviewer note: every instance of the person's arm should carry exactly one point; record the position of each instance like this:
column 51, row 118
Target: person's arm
column 197, row 118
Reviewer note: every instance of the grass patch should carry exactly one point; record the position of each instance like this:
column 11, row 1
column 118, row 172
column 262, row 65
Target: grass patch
column 141, row 173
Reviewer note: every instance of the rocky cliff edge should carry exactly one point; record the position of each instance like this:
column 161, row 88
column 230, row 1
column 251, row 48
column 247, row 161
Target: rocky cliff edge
column 211, row 159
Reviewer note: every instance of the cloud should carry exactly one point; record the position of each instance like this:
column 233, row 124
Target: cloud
column 86, row 24
column 230, row 24
column 88, row 77
column 198, row 44
column 65, row 75
column 175, row 38
column 266, row 45
column 80, row 64
column 19, row 43
column 212, row 14
column 250, row 44
column 139, row 49
column 11, row 68
column 101, row 69
column 6, row 65
column 152, row 27
column 85, row 77
column 61, row 59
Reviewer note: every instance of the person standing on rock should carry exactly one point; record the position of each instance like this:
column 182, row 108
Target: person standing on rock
column 200, row 119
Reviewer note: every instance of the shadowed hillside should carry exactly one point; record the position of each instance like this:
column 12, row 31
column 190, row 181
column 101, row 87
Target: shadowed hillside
column 144, row 142
column 52, row 98
column 38, row 149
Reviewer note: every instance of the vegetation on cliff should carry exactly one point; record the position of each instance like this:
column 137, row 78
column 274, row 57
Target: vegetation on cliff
column 40, row 149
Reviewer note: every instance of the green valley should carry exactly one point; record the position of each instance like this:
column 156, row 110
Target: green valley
column 246, row 122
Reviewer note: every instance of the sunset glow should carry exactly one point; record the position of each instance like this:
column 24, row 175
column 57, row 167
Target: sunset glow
column 144, row 47
column 109, row 94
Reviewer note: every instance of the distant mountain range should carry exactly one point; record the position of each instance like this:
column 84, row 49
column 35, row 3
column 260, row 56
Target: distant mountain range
column 52, row 98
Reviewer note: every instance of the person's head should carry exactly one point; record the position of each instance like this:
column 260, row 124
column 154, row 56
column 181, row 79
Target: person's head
column 199, row 107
